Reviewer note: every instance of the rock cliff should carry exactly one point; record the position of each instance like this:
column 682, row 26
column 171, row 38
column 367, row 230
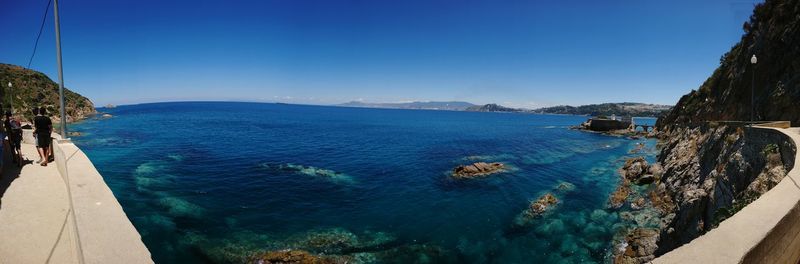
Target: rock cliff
column 711, row 169
column 773, row 35
column 710, row 172
column 34, row 89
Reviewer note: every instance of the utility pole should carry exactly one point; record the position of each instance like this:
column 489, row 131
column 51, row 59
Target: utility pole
column 60, row 72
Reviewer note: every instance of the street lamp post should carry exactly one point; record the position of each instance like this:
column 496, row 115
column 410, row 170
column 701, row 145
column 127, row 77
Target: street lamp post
column 10, row 101
column 753, row 61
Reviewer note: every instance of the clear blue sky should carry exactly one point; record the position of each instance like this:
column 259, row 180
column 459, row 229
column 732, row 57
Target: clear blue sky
column 517, row 53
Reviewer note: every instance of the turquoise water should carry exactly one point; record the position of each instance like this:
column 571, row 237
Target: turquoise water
column 213, row 182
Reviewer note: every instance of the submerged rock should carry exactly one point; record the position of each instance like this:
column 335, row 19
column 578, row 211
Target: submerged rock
column 326, row 241
column 541, row 205
column 639, row 246
column 638, row 203
column 565, row 187
column 415, row 253
column 298, row 257
column 341, row 241
column 534, row 210
column 313, row 172
column 639, row 146
column 620, row 195
column 478, row 169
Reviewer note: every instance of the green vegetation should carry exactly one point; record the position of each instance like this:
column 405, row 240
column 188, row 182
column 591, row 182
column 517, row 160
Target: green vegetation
column 492, row 108
column 770, row 149
column 770, row 87
column 726, row 212
column 34, row 89
column 608, row 109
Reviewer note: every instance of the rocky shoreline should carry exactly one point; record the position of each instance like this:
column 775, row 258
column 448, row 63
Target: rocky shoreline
column 702, row 175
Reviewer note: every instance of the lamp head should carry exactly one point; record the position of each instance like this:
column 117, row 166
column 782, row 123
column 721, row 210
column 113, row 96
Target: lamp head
column 753, row 59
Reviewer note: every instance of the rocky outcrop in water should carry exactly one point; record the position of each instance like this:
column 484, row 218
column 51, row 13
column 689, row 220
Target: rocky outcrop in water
column 536, row 209
column 620, row 195
column 638, row 247
column 541, row 205
column 634, row 169
column 478, row 169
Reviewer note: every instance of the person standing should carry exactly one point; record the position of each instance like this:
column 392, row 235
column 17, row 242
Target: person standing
column 14, row 134
column 35, row 137
column 2, row 146
column 43, row 126
column 7, row 124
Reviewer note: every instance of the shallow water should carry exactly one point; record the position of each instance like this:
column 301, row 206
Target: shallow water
column 211, row 182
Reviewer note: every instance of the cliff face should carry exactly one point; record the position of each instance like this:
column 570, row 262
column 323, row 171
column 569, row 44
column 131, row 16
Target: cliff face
column 713, row 169
column 773, row 35
column 34, row 89
column 710, row 172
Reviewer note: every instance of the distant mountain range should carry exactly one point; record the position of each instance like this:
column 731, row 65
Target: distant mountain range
column 452, row 105
column 607, row 109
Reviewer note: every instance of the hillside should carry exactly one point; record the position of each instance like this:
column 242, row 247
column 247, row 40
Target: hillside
column 451, row 105
column 492, row 108
column 773, row 35
column 33, row 89
column 607, row 109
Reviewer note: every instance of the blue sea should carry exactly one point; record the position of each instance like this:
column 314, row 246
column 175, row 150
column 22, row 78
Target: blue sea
column 215, row 182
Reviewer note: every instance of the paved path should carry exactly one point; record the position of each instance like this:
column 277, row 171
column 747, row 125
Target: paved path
column 34, row 205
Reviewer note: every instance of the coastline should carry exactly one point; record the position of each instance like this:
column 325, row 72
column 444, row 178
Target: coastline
column 162, row 216
column 673, row 182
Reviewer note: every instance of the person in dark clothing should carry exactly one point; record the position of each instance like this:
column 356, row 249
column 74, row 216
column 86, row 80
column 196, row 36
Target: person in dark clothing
column 2, row 146
column 36, row 138
column 42, row 129
column 14, row 133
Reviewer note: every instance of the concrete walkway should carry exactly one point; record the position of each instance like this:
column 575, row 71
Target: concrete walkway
column 34, row 210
